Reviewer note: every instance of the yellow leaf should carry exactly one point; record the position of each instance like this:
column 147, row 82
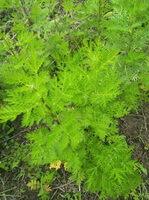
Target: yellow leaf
column 65, row 165
column 56, row 165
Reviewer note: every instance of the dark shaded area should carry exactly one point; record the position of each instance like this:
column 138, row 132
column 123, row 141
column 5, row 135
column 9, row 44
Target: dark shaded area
column 136, row 129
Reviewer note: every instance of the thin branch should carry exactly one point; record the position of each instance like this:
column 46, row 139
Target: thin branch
column 26, row 13
column 63, row 185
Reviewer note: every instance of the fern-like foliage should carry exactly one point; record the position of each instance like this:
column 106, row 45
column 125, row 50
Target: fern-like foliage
column 74, row 84
column 127, row 28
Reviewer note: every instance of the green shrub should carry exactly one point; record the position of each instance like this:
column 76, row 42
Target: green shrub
column 59, row 74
